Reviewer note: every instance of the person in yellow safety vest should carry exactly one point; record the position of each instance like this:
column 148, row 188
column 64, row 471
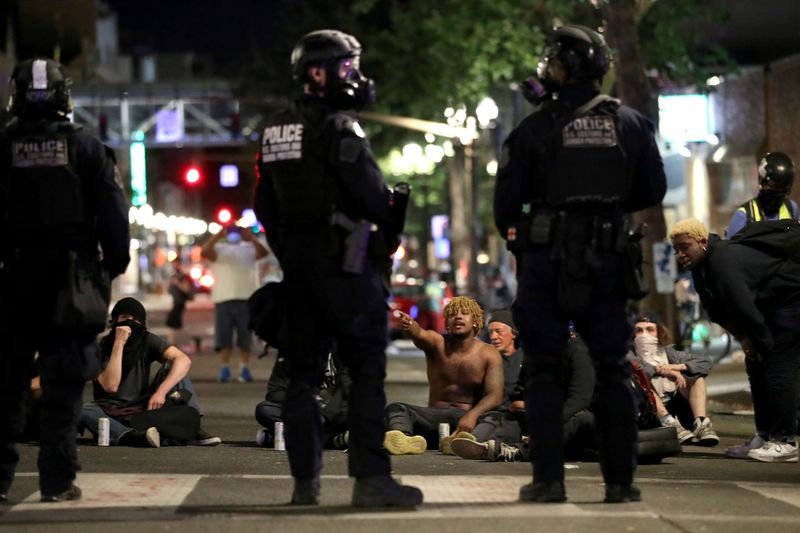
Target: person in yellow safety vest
column 775, row 178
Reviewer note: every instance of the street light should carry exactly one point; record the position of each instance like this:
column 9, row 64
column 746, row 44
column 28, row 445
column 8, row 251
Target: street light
column 486, row 112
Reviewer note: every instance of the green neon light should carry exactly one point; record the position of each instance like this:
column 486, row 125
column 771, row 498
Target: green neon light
column 138, row 174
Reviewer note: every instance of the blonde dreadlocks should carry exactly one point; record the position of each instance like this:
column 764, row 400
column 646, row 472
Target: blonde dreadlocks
column 467, row 306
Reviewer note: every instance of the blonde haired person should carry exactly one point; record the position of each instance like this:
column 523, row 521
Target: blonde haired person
column 755, row 295
column 465, row 376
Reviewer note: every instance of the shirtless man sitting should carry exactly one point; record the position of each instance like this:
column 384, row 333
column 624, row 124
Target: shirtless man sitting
column 465, row 376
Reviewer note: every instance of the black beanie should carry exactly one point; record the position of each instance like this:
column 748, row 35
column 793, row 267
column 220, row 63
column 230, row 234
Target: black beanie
column 649, row 316
column 129, row 306
column 503, row 316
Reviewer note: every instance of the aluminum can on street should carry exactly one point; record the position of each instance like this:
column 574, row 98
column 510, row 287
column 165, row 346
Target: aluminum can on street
column 280, row 442
column 444, row 431
column 103, row 431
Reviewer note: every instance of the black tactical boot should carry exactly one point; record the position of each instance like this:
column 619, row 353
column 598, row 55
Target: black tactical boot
column 622, row 493
column 383, row 491
column 306, row 492
column 544, row 492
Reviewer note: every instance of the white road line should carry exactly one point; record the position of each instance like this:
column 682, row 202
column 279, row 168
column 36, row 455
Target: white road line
column 445, row 497
column 786, row 493
column 121, row 490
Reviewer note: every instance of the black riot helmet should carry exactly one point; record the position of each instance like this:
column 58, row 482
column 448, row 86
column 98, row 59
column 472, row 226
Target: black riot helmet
column 327, row 49
column 40, row 88
column 777, row 168
column 580, row 51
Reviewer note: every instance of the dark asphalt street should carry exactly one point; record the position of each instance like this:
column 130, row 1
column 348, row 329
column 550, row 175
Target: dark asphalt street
column 240, row 487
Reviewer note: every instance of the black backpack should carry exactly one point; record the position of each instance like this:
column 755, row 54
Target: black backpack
column 778, row 238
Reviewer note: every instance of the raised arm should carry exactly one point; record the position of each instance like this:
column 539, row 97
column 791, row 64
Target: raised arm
column 260, row 249
column 208, row 251
column 109, row 378
column 424, row 339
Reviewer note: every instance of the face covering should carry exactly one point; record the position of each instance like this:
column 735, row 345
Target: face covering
column 136, row 328
column 770, row 200
column 647, row 348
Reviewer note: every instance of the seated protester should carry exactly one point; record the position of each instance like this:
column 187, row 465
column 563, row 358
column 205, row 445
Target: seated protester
column 503, row 336
column 124, row 394
column 678, row 378
column 503, row 437
column 465, row 376
column 499, row 425
column 332, row 402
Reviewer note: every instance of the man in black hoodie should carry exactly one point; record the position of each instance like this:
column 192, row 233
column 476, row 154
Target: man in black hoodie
column 755, row 295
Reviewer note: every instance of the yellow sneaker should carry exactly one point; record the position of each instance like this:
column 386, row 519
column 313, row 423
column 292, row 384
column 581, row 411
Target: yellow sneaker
column 398, row 443
column 446, row 450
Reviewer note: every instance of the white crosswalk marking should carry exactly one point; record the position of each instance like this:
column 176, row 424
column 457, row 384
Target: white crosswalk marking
column 121, row 490
column 786, row 493
column 466, row 489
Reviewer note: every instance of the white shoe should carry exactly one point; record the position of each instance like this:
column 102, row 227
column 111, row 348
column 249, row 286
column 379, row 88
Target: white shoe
column 153, row 437
column 775, row 451
column 740, row 451
column 703, row 433
column 683, row 433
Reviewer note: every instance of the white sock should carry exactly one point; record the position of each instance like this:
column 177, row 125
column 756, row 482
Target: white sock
column 667, row 419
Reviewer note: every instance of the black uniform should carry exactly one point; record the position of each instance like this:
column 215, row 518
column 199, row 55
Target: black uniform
column 315, row 162
column 580, row 176
column 59, row 192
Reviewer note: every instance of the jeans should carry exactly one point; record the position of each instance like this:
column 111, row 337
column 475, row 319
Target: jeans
column 91, row 413
column 773, row 378
column 416, row 419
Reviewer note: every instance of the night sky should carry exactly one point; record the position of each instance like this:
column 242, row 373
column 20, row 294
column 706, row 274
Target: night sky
column 227, row 30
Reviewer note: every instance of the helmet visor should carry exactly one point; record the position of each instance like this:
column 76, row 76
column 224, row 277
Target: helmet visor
column 348, row 68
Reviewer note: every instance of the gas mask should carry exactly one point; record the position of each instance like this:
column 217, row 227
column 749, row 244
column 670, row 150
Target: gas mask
column 534, row 91
column 353, row 91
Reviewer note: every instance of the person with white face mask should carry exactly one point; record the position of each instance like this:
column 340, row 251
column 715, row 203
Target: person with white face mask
column 678, row 378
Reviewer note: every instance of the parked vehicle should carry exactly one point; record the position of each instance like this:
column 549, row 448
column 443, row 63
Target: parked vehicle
column 423, row 301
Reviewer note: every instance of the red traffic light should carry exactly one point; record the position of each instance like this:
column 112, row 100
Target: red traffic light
column 224, row 215
column 192, row 176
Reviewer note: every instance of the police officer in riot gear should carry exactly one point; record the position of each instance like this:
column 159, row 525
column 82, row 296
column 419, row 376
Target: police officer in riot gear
column 323, row 202
column 775, row 179
column 62, row 210
column 569, row 176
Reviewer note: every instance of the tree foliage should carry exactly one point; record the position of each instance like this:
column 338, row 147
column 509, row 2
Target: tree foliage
column 673, row 42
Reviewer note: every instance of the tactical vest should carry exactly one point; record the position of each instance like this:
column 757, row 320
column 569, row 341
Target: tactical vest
column 584, row 167
column 752, row 210
column 296, row 147
column 43, row 198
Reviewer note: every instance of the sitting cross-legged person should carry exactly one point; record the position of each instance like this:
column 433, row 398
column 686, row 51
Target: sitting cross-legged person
column 503, row 436
column 141, row 413
column 332, row 399
column 465, row 376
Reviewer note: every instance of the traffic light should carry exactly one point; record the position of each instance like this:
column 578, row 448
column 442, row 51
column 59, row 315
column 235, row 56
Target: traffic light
column 192, row 176
column 224, row 215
